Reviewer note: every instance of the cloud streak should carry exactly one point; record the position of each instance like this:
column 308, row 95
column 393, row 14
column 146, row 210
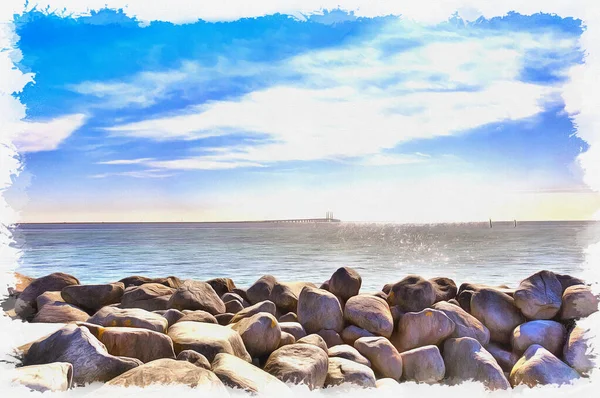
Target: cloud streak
column 47, row 135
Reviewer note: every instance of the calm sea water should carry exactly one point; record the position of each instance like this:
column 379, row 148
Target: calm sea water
column 97, row 253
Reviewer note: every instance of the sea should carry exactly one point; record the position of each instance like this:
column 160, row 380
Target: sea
column 380, row 252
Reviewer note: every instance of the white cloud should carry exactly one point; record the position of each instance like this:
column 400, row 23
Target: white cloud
column 125, row 161
column 149, row 173
column 200, row 163
column 389, row 160
column 47, row 135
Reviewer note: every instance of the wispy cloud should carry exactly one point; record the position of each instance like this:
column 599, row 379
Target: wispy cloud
column 149, row 173
column 46, row 135
column 125, row 161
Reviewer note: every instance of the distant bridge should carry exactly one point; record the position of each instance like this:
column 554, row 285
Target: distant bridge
column 328, row 218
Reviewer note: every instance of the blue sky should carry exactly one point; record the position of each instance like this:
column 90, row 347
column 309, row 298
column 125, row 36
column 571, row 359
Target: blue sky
column 374, row 118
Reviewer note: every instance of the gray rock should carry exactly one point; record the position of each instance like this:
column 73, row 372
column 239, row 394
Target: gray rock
column 423, row 365
column 299, row 364
column 149, row 296
column 289, row 317
column 538, row 366
column 221, row 285
column 208, row 339
column 261, row 289
column 93, row 297
column 25, row 305
column 539, row 296
column 577, row 351
column 233, row 306
column 261, row 334
column 352, row 333
column 195, row 295
column 466, row 325
column 370, row 313
column 412, row 294
column 172, row 316
column 58, row 312
column 293, row 328
column 318, row 309
column 286, row 339
column 285, row 295
column 314, row 339
column 341, row 371
column 466, row 360
column 348, row 352
column 418, row 329
column 224, row 319
column 194, row 358
column 345, row 283
column 234, row 296
column 197, row 316
column 78, row 346
column 136, row 280
column 506, row 359
column 57, row 377
column 445, row 288
column 129, row 317
column 48, row 298
column 578, row 301
column 263, row 306
column 497, row 311
column 549, row 334
column 385, row 359
column 143, row 344
column 331, row 337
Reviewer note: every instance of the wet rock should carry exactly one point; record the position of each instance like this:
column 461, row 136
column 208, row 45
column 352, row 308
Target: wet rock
column 348, row 352
column 261, row 334
column 25, row 305
column 195, row 358
column 466, row 360
column 221, row 285
column 313, row 339
column 299, row 364
column 506, row 359
column 289, row 317
column 418, row 329
column 172, row 316
column 549, row 334
column 466, row 324
column 48, row 298
column 412, row 294
column 195, row 295
column 129, row 317
column 342, row 371
column 208, row 339
column 233, row 306
column 149, row 296
column 58, row 312
column 263, row 306
column 331, row 337
column 538, row 366
column 576, row 350
column 293, row 328
column 261, row 289
column 318, row 309
column 352, row 333
column 497, row 311
column 445, row 288
column 423, row 365
column 57, row 376
column 93, row 297
column 385, row 359
column 224, row 319
column 345, row 283
column 578, row 301
column 78, row 346
column 143, row 344
column 369, row 313
column 197, row 316
column 286, row 339
column 539, row 296
column 170, row 371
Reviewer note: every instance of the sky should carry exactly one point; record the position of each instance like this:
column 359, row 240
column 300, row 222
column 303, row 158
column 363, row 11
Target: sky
column 375, row 119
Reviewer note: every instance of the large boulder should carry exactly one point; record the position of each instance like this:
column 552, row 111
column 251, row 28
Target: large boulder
column 578, row 301
column 385, row 359
column 48, row 298
column 78, row 346
column 172, row 316
column 348, row 352
column 412, row 294
column 197, row 316
column 93, row 297
column 467, row 360
column 299, row 364
column 129, row 317
column 331, row 337
column 143, row 344
column 56, row 377
column 221, row 285
column 149, row 296
column 318, row 309
column 341, row 371
column 345, row 283
column 351, row 333
column 261, row 289
column 505, row 358
column 497, row 311
column 195, row 295
column 314, row 339
column 539, row 296
column 445, row 288
column 538, row 366
column 195, row 358
column 423, row 365
column 25, row 305
column 549, row 334
column 208, row 339
column 262, row 306
column 418, row 329
column 293, row 328
column 261, row 334
column 58, row 312
column 577, row 351
column 466, row 324
column 237, row 373
column 233, row 306
column 370, row 313
column 285, row 295
column 169, row 371
column 136, row 280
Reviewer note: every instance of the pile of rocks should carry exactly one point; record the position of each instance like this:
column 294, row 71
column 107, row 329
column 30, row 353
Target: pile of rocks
column 140, row 331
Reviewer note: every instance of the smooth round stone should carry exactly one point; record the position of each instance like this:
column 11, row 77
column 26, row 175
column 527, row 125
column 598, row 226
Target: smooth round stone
column 293, row 328
column 412, row 294
column 58, row 312
column 148, row 296
column 341, row 371
column 539, row 296
column 505, row 358
column 197, row 316
column 234, row 296
column 423, row 365
column 445, row 288
column 129, row 317
column 466, row 324
column 578, row 301
column 137, row 280
column 539, row 366
column 261, row 289
column 352, row 333
column 48, row 298
column 370, row 313
column 172, row 316
column 196, row 295
column 194, row 358
column 497, row 311
column 289, row 317
column 286, row 339
column 143, row 344
column 549, row 334
column 55, row 377
column 25, row 304
column 261, row 334
column 348, row 352
column 384, row 357
column 331, row 337
column 221, row 285
column 263, row 306
column 224, row 319
column 314, row 339
column 418, row 329
column 93, row 297
column 285, row 295
column 318, row 309
column 345, row 283
column 299, row 364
